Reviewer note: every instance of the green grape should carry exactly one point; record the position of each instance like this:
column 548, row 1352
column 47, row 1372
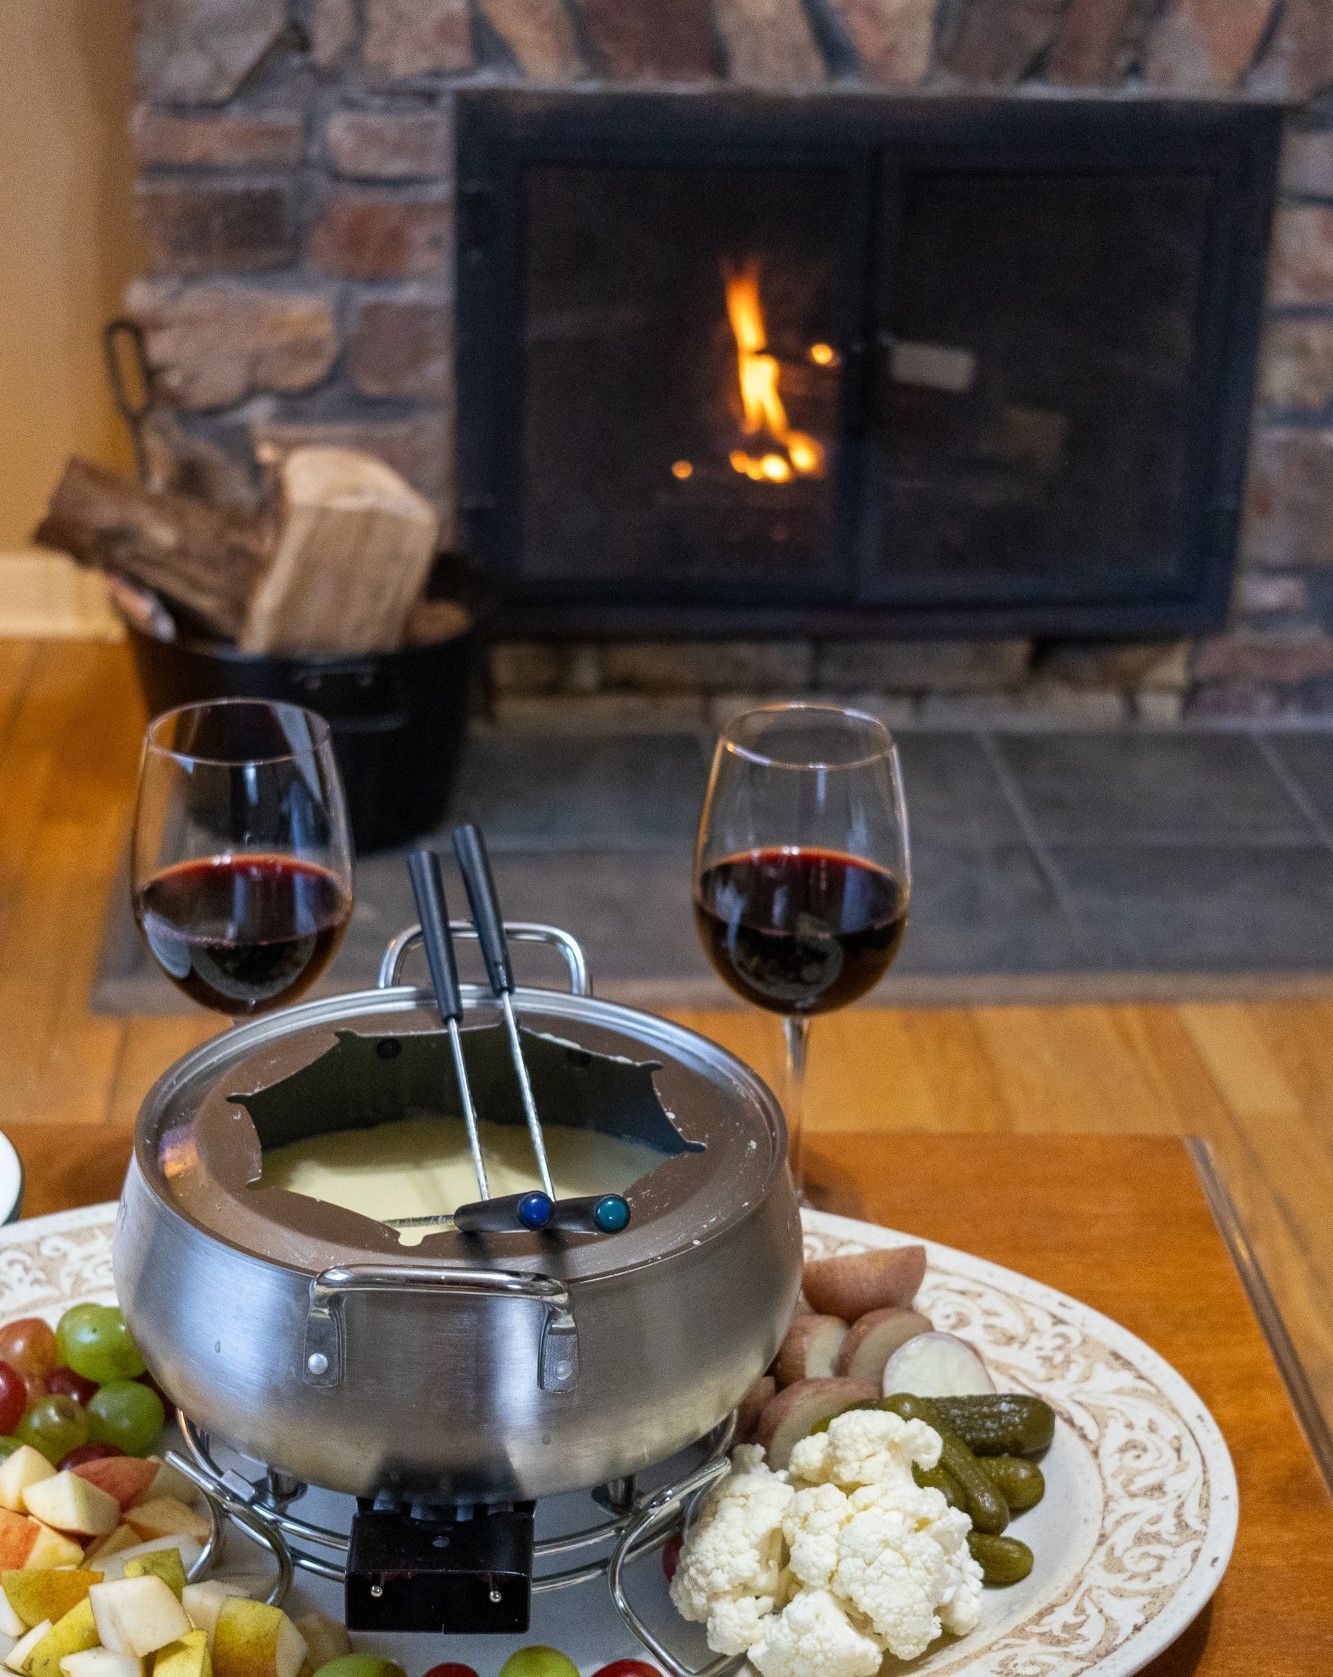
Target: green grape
column 360, row 1665
column 8, row 1447
column 95, row 1343
column 55, row 1426
column 126, row 1414
column 539, row 1661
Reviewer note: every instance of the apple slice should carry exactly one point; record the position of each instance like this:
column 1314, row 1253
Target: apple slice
column 24, row 1467
column 172, row 1482
column 35, row 1596
column 164, row 1516
column 255, row 1640
column 72, row 1505
column 203, row 1602
column 101, row 1662
column 124, row 1537
column 188, row 1549
column 137, row 1616
column 73, row 1633
column 53, row 1548
column 18, row 1534
column 17, row 1657
column 10, row 1624
column 127, row 1478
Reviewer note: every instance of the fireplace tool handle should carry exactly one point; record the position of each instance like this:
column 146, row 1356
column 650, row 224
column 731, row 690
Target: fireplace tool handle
column 470, row 849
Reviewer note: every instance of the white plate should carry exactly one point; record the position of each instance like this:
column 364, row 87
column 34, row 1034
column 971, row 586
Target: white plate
column 11, row 1181
column 1130, row 1542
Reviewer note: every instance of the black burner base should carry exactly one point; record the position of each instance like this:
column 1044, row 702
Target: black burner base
column 462, row 1572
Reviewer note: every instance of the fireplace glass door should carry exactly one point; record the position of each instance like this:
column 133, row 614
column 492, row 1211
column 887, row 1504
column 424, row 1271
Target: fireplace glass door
column 857, row 365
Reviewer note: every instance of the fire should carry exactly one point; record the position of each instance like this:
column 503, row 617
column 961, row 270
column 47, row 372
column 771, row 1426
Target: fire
column 784, row 453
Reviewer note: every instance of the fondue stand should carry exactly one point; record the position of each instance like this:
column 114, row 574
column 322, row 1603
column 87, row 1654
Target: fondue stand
column 450, row 1385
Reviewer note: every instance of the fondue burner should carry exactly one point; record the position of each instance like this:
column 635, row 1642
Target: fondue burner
column 449, row 1385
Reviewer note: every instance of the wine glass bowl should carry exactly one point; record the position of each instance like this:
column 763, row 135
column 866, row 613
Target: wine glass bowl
column 241, row 863
column 802, row 874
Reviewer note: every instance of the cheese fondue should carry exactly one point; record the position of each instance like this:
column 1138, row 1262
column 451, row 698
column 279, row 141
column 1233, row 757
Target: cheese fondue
column 421, row 1167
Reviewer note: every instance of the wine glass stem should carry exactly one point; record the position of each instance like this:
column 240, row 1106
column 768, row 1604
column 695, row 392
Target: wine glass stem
column 796, row 1038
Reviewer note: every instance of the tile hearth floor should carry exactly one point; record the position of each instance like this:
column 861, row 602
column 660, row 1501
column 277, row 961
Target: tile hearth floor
column 1057, row 866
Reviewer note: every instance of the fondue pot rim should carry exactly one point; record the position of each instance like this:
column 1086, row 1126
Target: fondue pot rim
column 676, row 1042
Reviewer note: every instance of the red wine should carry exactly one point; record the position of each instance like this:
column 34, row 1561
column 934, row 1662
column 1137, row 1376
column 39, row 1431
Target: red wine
column 243, row 934
column 800, row 931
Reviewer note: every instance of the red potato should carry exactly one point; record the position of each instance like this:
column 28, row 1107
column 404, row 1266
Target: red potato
column 810, row 1349
column 791, row 1414
column 752, row 1406
column 936, row 1365
column 859, row 1282
column 873, row 1338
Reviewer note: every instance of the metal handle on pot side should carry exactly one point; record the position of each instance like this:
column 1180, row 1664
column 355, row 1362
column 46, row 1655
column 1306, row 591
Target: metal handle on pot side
column 519, row 931
column 322, row 1355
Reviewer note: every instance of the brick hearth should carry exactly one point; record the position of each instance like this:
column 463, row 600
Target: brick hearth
column 296, row 195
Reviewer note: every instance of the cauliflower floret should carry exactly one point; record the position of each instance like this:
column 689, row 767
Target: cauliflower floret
column 820, row 1571
column 866, row 1447
column 731, row 1570
column 813, row 1634
column 811, row 1525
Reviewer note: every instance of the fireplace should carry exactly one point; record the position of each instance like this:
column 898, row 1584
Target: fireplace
column 994, row 270
column 858, row 366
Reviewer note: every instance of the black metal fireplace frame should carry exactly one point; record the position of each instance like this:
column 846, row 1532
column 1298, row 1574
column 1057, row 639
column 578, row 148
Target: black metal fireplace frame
column 502, row 133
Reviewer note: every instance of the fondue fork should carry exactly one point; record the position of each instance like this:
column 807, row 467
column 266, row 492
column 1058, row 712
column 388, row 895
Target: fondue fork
column 476, row 870
column 423, row 868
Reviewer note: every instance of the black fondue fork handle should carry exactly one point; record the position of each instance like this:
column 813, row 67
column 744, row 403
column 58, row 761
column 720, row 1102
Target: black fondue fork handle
column 591, row 1214
column 423, row 867
column 470, row 849
column 474, row 864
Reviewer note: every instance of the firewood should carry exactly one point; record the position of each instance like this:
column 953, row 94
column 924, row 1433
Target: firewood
column 203, row 559
column 354, row 546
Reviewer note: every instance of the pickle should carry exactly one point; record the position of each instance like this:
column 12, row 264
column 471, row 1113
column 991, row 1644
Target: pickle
column 1021, row 1483
column 989, row 1511
column 1003, row 1560
column 940, row 1479
column 1000, row 1424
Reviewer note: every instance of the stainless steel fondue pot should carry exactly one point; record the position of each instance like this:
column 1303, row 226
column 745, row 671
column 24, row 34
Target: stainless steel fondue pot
column 512, row 1365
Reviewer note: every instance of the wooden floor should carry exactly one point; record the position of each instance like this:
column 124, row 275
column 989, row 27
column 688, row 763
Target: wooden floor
column 1255, row 1079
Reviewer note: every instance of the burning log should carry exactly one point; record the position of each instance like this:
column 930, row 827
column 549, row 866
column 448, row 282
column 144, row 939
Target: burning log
column 207, row 560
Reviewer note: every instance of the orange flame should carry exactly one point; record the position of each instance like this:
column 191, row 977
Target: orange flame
column 788, row 453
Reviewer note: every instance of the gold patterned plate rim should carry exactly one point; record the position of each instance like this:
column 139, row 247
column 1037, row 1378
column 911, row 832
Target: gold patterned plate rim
column 1140, row 1515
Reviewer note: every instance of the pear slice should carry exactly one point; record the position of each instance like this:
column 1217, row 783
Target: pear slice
column 252, row 1639
column 187, row 1657
column 100, row 1662
column 165, row 1564
column 137, row 1616
column 35, row 1596
column 16, row 1658
column 74, row 1633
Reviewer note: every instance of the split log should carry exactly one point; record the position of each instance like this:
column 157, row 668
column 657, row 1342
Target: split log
column 355, row 544
column 206, row 560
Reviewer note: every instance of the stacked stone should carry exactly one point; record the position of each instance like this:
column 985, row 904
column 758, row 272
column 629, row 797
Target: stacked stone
column 296, row 194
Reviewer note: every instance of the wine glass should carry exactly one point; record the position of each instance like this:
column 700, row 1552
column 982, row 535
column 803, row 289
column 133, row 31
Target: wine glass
column 241, row 864
column 802, row 874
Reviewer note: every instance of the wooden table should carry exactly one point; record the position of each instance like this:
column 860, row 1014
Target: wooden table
column 1120, row 1222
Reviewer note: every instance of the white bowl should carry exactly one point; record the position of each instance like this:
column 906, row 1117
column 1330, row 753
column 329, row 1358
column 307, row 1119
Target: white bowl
column 11, row 1181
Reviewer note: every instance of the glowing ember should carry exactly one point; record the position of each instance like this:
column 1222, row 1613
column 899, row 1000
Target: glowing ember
column 823, row 355
column 681, row 469
column 781, row 452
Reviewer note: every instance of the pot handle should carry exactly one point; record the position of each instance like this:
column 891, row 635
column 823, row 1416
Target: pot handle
column 322, row 1355
column 520, row 931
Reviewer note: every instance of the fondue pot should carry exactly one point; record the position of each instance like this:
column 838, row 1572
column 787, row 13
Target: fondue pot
column 466, row 1368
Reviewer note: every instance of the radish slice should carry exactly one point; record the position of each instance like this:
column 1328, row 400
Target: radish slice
column 936, row 1365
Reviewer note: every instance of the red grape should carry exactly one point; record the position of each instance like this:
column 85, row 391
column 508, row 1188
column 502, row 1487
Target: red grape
column 13, row 1398
column 671, row 1555
column 63, row 1382
column 29, row 1347
column 628, row 1668
column 88, row 1453
column 450, row 1669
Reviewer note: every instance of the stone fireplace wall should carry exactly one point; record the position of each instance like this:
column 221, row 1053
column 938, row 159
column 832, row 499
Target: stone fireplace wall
column 296, row 197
